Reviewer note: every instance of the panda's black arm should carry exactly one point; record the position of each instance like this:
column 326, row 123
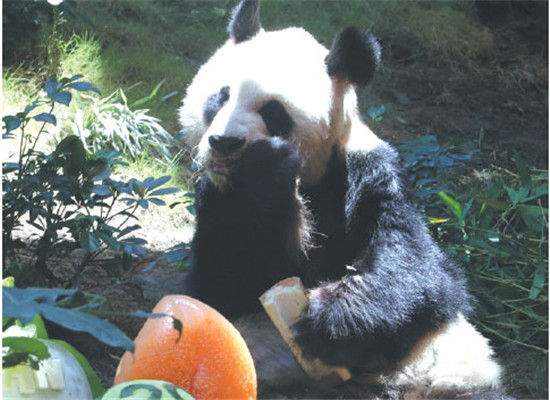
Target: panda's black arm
column 246, row 237
column 401, row 285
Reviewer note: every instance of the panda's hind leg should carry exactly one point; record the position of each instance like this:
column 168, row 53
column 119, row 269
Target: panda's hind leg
column 278, row 373
column 453, row 362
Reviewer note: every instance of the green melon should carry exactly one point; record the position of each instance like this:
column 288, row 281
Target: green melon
column 146, row 389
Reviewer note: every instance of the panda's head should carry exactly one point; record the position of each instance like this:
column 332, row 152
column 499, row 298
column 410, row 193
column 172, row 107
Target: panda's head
column 282, row 83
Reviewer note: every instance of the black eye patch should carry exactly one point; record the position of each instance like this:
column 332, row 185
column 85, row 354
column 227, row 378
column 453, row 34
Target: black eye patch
column 277, row 121
column 214, row 104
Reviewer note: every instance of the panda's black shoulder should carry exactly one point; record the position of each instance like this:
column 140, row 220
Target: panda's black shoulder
column 379, row 170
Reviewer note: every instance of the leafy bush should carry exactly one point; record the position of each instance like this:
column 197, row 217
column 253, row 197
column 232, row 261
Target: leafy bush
column 501, row 234
column 67, row 193
column 112, row 122
column 496, row 226
column 69, row 190
column 426, row 160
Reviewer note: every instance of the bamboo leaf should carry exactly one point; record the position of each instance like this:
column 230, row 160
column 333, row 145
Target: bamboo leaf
column 451, row 204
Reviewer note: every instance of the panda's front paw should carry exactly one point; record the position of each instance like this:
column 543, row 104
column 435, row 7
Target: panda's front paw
column 328, row 329
column 270, row 160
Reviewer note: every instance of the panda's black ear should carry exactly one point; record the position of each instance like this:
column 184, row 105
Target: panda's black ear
column 354, row 55
column 245, row 21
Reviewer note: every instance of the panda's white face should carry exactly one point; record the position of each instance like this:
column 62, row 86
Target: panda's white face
column 274, row 84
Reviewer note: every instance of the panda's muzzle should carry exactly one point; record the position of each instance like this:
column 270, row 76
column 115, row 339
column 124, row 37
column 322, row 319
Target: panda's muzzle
column 224, row 151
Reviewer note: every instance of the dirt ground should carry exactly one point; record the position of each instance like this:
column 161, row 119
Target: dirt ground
column 501, row 112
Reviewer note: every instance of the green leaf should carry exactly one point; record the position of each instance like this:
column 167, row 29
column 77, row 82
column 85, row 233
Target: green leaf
column 23, row 304
column 79, row 321
column 143, row 203
column 98, row 169
column 52, row 87
column 480, row 244
column 156, row 201
column 109, row 240
column 12, row 123
column 61, row 97
column 451, row 204
column 523, row 171
column 157, row 182
column 168, row 96
column 45, row 117
column 497, row 205
column 465, row 211
column 95, row 383
column 144, row 100
column 31, row 107
column 75, row 77
column 539, row 278
column 517, row 196
column 128, row 229
column 8, row 281
column 532, row 210
column 176, row 323
column 138, row 188
column 23, row 345
column 89, row 241
column 102, row 190
column 541, row 190
column 83, row 87
column 9, row 167
column 162, row 192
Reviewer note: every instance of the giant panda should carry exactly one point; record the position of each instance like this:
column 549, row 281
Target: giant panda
column 293, row 183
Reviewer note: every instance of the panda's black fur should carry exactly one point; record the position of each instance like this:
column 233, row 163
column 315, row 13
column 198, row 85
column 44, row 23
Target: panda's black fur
column 246, row 236
column 403, row 285
column 379, row 282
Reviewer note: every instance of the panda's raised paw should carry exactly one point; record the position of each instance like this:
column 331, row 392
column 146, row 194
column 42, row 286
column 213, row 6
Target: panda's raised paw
column 272, row 159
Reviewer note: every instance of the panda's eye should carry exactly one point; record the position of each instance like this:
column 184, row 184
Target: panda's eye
column 277, row 120
column 214, row 104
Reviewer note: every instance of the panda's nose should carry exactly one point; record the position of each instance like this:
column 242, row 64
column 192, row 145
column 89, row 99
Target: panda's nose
column 226, row 145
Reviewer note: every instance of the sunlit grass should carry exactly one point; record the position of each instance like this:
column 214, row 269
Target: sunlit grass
column 444, row 31
column 148, row 166
column 82, row 55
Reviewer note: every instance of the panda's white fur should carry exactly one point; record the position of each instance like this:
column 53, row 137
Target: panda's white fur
column 454, row 356
column 284, row 66
column 288, row 65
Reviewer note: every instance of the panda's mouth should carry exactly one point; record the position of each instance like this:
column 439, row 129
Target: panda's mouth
column 221, row 166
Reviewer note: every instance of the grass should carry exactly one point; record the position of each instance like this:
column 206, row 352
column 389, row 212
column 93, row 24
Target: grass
column 443, row 32
column 146, row 166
